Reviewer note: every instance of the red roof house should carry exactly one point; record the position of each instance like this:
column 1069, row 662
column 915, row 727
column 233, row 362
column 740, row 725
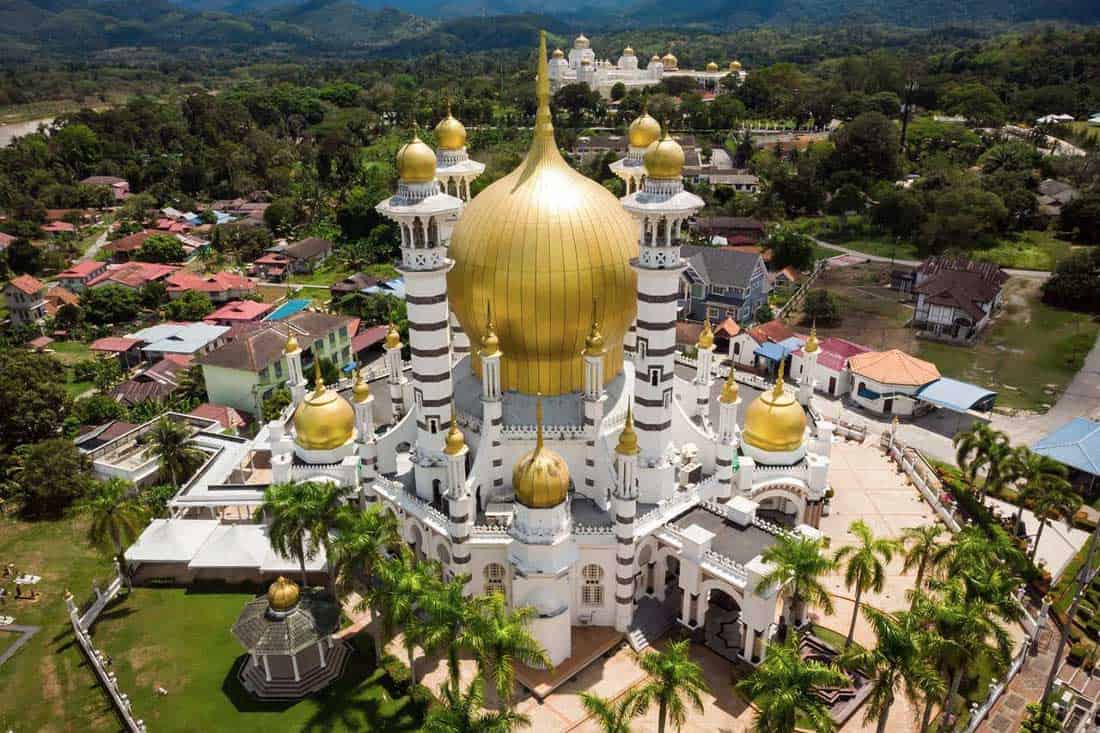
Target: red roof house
column 238, row 311
column 132, row 274
column 221, row 286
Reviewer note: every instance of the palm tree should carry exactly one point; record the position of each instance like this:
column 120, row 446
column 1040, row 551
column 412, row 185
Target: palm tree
column 674, row 681
column 361, row 540
column 293, row 509
column 501, row 638
column 897, row 661
column 982, row 447
column 921, row 546
column 613, row 716
column 170, row 442
column 1039, row 475
column 463, row 712
column 193, row 385
column 450, row 617
column 798, row 564
column 117, row 516
column 783, row 689
column 1054, row 502
column 402, row 584
column 865, row 565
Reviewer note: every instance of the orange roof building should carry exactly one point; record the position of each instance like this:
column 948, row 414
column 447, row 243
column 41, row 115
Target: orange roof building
column 894, row 367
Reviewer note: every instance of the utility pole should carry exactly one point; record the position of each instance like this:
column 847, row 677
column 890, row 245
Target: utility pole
column 910, row 87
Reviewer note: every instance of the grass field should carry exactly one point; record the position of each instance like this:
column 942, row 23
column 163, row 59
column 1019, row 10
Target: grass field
column 331, row 272
column 1027, row 251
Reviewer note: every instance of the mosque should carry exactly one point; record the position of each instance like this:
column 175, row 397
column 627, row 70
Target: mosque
column 540, row 438
column 582, row 67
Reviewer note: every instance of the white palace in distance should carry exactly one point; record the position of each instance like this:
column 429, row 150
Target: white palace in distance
column 538, row 438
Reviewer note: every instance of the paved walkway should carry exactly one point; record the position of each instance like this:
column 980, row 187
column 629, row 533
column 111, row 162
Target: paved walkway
column 1027, row 686
column 25, row 634
column 1059, row 543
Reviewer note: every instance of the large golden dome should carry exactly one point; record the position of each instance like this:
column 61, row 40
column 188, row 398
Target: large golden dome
column 450, row 133
column 324, row 420
column 540, row 479
column 416, row 162
column 541, row 243
column 775, row 421
column 644, row 131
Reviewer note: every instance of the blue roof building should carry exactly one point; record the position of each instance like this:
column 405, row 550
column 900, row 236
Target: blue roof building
column 287, row 309
column 1076, row 444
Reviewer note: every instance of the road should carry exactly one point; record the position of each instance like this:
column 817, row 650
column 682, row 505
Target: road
column 1031, row 274
column 91, row 252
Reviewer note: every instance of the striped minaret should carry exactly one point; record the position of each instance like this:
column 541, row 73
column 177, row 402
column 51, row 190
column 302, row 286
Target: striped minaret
column 808, row 377
column 492, row 408
column 421, row 210
column 460, row 342
column 662, row 207
column 594, row 398
column 625, row 500
column 704, row 356
column 460, row 504
column 396, row 372
column 363, row 402
column 728, row 405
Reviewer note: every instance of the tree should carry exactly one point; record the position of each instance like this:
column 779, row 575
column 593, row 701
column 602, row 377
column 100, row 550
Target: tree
column 78, row 148
column 301, row 516
column 868, row 144
column 448, row 619
column 24, row 258
column 921, row 546
column 900, row 212
column 192, row 385
column 1036, row 475
column 153, row 294
column 847, row 198
column 281, row 215
column 977, row 103
column 618, row 91
column 502, row 638
column 49, row 476
column 32, row 387
column 191, row 305
column 791, row 248
column 784, row 690
column 97, row 409
column 117, row 516
column 170, row 442
column 612, row 716
column 675, row 682
column 106, row 373
column 401, row 586
column 1055, row 500
column 984, row 448
column 110, row 304
column 460, row 712
column 1039, row 720
column 764, row 313
column 820, row 306
column 1011, row 156
column 161, row 248
column 1081, row 217
column 275, row 403
column 864, row 565
column 361, row 541
column 798, row 564
column 1075, row 283
column 896, row 662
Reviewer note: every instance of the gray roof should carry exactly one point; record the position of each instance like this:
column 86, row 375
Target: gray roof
column 719, row 266
column 256, row 350
column 740, row 544
column 308, row 248
column 260, row 632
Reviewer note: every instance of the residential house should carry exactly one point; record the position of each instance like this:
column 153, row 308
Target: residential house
column 40, row 344
column 125, row 248
column 739, row 180
column 888, row 382
column 25, row 297
column 1076, row 445
column 734, row 229
column 226, row 417
column 239, row 311
column 719, row 283
column 352, row 284
column 132, row 275
column 903, row 279
column 744, row 344
column 156, row 382
column 305, row 254
column 6, row 240
column 365, row 345
column 956, row 296
column 184, row 339
column 100, row 435
column 57, row 228
column 247, row 370
column 120, row 187
column 832, row 375
column 126, row 350
column 57, row 296
column 221, row 286
column 273, row 265
column 241, row 208
column 1052, row 195
column 76, row 278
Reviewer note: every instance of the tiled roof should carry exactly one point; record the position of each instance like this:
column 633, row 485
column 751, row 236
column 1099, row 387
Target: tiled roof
column 721, row 266
column 61, row 295
column 688, row 333
column 129, row 243
column 225, row 415
column 239, row 310
column 835, row 352
column 80, row 269
column 729, row 327
column 256, row 350
column 771, row 331
column 132, row 274
column 308, row 248
column 58, row 226
column 965, row 290
column 114, row 344
column 219, row 282
column 103, row 180
column 894, row 367
column 27, row 284
column 369, row 337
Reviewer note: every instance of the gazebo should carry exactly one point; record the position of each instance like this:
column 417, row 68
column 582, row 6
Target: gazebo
column 288, row 635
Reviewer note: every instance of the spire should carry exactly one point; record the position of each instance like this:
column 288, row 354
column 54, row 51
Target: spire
column 361, row 390
column 544, row 124
column 490, row 344
column 778, row 390
column 628, row 439
column 706, row 336
column 729, row 390
column 455, row 440
column 318, row 381
column 594, row 344
column 393, row 337
column 811, row 343
column 291, row 342
column 538, row 417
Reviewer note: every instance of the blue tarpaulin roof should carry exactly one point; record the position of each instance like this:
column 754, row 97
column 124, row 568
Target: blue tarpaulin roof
column 1075, row 444
column 772, row 351
column 287, row 309
column 956, row 395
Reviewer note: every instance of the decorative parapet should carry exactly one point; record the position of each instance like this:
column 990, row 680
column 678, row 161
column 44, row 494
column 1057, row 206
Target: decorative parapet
column 722, row 566
column 550, row 432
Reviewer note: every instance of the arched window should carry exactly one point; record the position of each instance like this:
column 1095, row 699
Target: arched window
column 592, row 590
column 494, row 578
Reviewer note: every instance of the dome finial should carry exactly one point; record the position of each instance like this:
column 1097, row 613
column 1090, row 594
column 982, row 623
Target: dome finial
column 361, row 391
column 455, row 440
column 706, row 337
column 544, row 123
column 729, row 389
column 594, row 343
column 318, row 380
column 778, row 389
column 538, row 421
column 811, row 342
column 393, row 337
column 628, row 439
column 490, row 343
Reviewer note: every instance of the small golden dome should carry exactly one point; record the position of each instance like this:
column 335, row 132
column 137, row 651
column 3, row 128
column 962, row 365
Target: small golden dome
column 811, row 343
column 558, row 53
column 291, row 344
column 712, row 66
column 361, row 390
column 664, row 160
column 644, row 131
column 628, row 439
column 775, row 421
column 669, row 61
column 706, row 337
column 283, row 594
column 450, row 133
column 729, row 390
column 735, row 65
column 455, row 440
column 416, row 162
column 324, row 420
column 628, row 51
column 393, row 337
column 540, row 479
column 594, row 344
column 654, row 59
column 586, row 62
column 490, row 344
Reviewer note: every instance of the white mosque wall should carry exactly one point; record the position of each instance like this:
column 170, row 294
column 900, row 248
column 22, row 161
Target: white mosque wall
column 404, row 432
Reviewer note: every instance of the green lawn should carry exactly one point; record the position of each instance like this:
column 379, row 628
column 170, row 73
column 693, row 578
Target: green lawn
column 1027, row 251
column 70, row 352
column 331, row 272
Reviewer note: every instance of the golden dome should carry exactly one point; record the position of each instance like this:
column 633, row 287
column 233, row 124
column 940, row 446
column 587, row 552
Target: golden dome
column 628, row 51
column 416, row 162
column 594, row 344
column 775, row 421
column 669, row 61
column 580, row 42
column 664, row 160
column 729, row 390
column 712, row 66
column 393, row 337
column 291, row 343
column 735, row 65
column 654, row 58
column 644, row 131
column 450, row 133
column 490, row 344
column 628, row 439
column 706, row 337
column 283, row 594
column 558, row 53
column 324, row 420
column 542, row 242
column 811, row 343
column 455, row 440
column 541, row 478
column 361, row 390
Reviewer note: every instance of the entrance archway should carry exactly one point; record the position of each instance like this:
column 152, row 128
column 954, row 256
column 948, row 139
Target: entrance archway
column 722, row 629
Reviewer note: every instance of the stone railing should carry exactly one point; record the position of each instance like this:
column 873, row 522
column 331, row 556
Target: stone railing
column 395, row 492
column 725, row 566
column 591, row 530
column 996, row 689
column 922, row 476
column 552, row 432
column 776, row 530
column 766, row 473
column 488, row 531
column 850, row 431
column 469, row 422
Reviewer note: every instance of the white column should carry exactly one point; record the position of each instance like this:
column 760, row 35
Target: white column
column 321, row 651
column 396, row 374
column 704, row 358
column 294, row 664
column 267, row 668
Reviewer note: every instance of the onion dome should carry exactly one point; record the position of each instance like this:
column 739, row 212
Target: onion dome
column 283, row 594
column 323, row 420
column 416, row 162
column 541, row 478
column 291, row 343
column 490, row 344
column 706, row 337
column 594, row 344
column 665, row 159
column 775, row 421
column 628, row 51
column 811, row 343
column 558, row 53
column 628, row 439
column 360, row 392
column 455, row 440
column 581, row 42
column 576, row 242
column 729, row 390
column 735, row 65
column 712, row 66
column 644, row 131
column 669, row 60
column 586, row 62
column 393, row 337
column 450, row 133
column 654, row 59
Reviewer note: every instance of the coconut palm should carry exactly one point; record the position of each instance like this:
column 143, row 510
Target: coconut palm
column 1038, row 475
column 921, row 545
column 864, row 565
column 449, row 618
column 463, row 712
column 983, row 448
column 675, row 681
column 329, row 508
column 613, row 716
column 798, row 564
column 896, row 662
column 401, row 585
column 361, row 541
column 117, row 516
column 170, row 442
column 293, row 510
column 1054, row 502
column 502, row 638
column 783, row 689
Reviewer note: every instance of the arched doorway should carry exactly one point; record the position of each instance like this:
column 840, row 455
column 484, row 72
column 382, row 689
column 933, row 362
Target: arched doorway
column 722, row 629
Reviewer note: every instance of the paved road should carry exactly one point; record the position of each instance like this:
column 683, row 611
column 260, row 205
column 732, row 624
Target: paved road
column 1032, row 274
column 91, row 252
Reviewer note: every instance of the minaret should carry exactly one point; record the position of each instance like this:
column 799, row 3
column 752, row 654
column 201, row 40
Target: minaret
column 363, row 402
column 295, row 379
column 704, row 356
column 643, row 132
column 808, row 378
column 396, row 368
column 421, row 212
column 729, row 404
column 625, row 505
column 492, row 408
column 460, row 504
column 594, row 397
column 661, row 207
